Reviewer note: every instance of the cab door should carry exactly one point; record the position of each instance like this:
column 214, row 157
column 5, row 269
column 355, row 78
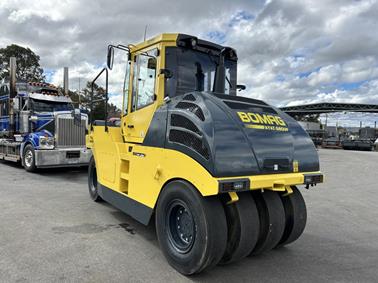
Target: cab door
column 142, row 95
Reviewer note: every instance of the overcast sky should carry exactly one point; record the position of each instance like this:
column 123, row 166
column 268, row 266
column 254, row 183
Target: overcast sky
column 290, row 52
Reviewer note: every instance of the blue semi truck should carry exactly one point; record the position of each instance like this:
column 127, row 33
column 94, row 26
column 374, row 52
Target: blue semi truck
column 39, row 126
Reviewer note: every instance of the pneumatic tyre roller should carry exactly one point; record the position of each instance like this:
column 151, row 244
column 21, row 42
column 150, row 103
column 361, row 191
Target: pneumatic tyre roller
column 216, row 170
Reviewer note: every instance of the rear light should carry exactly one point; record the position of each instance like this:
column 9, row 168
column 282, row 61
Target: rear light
column 310, row 179
column 237, row 185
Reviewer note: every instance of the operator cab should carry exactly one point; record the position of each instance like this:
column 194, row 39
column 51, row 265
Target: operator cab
column 167, row 66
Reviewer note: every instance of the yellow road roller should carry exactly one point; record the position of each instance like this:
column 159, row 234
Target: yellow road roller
column 217, row 172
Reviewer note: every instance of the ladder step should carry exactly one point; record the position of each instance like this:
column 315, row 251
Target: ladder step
column 125, row 176
column 125, row 156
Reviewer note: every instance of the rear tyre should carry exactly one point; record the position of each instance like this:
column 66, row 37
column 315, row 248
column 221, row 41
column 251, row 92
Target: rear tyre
column 92, row 181
column 28, row 159
column 296, row 217
column 191, row 229
column 243, row 227
column 272, row 220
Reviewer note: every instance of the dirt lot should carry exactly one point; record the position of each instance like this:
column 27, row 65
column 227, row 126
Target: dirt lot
column 50, row 231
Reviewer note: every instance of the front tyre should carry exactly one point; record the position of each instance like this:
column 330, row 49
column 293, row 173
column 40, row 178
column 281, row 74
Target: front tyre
column 191, row 229
column 92, row 181
column 28, row 159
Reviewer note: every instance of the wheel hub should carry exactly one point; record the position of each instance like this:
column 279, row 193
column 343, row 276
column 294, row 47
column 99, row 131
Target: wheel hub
column 28, row 158
column 181, row 227
column 93, row 183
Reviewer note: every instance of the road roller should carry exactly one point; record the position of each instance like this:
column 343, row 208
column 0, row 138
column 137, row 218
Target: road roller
column 219, row 173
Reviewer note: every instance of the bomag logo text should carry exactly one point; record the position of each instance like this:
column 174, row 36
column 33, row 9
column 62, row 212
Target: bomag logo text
column 262, row 121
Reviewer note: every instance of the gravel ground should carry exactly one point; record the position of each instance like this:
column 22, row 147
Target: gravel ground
column 50, row 231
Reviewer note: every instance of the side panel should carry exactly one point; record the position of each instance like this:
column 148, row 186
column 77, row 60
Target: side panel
column 106, row 154
column 151, row 168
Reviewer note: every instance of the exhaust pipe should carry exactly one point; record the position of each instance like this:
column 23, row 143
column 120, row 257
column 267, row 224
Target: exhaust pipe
column 65, row 81
column 12, row 79
column 12, row 94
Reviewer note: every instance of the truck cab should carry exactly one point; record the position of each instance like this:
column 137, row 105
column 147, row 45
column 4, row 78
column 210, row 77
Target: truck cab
column 48, row 131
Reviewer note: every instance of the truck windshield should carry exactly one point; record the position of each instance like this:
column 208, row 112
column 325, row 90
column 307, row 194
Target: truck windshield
column 194, row 71
column 49, row 106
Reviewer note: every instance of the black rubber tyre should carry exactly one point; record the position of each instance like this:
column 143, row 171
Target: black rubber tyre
column 243, row 225
column 191, row 229
column 28, row 159
column 92, row 181
column 272, row 220
column 296, row 217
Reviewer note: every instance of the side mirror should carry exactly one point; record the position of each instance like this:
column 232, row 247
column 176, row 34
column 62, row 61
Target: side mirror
column 166, row 72
column 110, row 57
column 240, row 87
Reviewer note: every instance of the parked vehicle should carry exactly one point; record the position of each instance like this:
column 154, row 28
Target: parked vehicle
column 40, row 127
column 216, row 171
column 358, row 144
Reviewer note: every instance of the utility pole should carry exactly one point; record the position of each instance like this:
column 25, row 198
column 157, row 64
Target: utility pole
column 326, row 120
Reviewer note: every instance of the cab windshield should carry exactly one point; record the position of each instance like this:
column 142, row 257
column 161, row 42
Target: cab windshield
column 50, row 106
column 194, row 71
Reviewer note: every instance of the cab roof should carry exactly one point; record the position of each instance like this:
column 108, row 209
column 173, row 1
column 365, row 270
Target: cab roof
column 179, row 39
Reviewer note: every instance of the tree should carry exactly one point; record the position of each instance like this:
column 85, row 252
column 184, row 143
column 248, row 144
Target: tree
column 98, row 107
column 309, row 118
column 28, row 68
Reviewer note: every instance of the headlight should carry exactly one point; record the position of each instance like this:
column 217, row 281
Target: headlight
column 46, row 142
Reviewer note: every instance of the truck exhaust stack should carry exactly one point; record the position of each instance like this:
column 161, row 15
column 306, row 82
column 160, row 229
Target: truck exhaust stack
column 65, row 81
column 12, row 95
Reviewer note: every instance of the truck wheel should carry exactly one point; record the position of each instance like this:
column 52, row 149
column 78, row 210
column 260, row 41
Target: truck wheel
column 92, row 181
column 191, row 229
column 28, row 159
column 272, row 220
column 296, row 217
column 243, row 227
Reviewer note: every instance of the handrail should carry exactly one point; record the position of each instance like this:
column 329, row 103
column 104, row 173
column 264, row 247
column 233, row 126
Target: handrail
column 106, row 99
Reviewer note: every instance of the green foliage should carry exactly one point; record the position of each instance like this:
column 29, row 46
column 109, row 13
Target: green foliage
column 28, row 68
column 309, row 118
column 99, row 107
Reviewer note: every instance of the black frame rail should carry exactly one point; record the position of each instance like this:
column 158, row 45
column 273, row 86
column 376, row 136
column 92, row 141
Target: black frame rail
column 105, row 99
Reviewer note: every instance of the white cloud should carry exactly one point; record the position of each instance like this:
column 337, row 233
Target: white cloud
column 290, row 52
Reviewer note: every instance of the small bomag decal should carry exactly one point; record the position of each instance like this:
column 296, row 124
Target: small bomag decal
column 263, row 121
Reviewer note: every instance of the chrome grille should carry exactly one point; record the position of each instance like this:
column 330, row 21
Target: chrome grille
column 70, row 133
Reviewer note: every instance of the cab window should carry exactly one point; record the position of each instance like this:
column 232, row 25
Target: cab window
column 3, row 108
column 144, row 80
column 3, row 90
